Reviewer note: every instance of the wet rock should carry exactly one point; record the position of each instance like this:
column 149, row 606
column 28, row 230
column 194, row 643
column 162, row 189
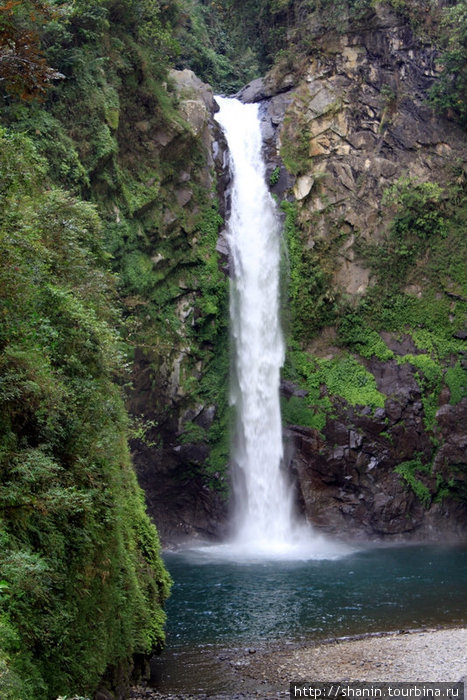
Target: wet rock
column 254, row 91
column 206, row 416
column 289, row 389
column 346, row 478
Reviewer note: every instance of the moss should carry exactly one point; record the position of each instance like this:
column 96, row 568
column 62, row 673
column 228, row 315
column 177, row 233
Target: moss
column 298, row 411
column 342, row 378
column 192, row 433
column 313, row 302
column 429, row 377
column 355, row 334
column 85, row 581
column 456, row 380
column 410, row 471
column 347, row 378
column 295, row 144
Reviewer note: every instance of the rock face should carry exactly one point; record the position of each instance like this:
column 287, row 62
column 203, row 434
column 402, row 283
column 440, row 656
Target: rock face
column 182, row 498
column 355, row 120
column 352, row 120
column 177, row 496
column 346, row 479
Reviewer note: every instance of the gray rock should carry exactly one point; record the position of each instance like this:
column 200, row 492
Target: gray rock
column 254, row 91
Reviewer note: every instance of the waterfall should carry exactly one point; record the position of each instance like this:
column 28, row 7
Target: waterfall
column 263, row 522
column 264, row 507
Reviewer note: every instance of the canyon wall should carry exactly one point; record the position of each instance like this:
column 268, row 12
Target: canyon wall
column 370, row 180
column 355, row 149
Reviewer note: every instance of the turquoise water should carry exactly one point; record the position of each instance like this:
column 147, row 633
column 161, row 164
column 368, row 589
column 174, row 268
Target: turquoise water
column 226, row 603
column 222, row 609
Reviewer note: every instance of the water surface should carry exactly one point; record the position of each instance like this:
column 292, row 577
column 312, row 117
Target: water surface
column 225, row 602
column 220, row 608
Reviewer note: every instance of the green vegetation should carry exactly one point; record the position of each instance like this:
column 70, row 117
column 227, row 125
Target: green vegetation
column 456, row 380
column 343, row 377
column 355, row 334
column 410, row 472
column 83, row 581
column 215, row 46
column 209, row 345
column 449, row 92
column 430, row 376
column 430, row 487
column 312, row 303
column 274, row 176
column 230, row 42
column 420, row 220
column 427, row 225
column 446, row 28
column 295, row 144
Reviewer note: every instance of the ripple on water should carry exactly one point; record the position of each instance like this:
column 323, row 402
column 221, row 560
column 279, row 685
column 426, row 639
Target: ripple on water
column 218, row 599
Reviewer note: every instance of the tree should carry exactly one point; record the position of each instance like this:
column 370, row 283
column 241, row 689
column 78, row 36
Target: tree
column 23, row 69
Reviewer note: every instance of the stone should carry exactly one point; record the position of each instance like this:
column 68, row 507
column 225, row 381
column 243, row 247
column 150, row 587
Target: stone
column 289, row 389
column 322, row 102
column 206, row 417
column 345, row 175
column 302, row 187
column 352, row 278
column 400, row 344
column 222, row 245
column 188, row 85
column 351, row 56
column 195, row 113
column 163, row 138
column 183, row 196
column 255, row 91
column 362, row 140
column 355, row 439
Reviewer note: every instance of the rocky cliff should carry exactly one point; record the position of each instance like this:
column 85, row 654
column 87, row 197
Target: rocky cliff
column 180, row 379
column 355, row 149
column 370, row 181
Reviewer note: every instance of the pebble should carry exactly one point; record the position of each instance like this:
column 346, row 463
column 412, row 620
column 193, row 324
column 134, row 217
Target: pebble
column 434, row 655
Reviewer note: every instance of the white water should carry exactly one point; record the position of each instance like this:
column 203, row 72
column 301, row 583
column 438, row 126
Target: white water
column 263, row 516
column 264, row 523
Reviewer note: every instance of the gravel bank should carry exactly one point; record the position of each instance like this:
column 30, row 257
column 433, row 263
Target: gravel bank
column 412, row 656
column 429, row 655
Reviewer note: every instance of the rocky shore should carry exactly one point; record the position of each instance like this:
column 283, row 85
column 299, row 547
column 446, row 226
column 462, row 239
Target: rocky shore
column 429, row 655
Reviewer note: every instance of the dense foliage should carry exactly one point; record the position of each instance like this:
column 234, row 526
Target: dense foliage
column 83, row 582
column 83, row 294
column 449, row 93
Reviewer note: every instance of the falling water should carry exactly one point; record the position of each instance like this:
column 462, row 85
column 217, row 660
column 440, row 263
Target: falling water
column 264, row 523
column 263, row 497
